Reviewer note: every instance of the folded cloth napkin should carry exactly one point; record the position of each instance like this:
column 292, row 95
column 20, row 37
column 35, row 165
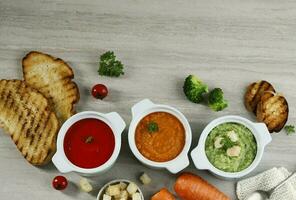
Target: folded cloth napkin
column 267, row 181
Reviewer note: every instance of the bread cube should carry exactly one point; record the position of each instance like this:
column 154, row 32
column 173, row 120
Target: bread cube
column 122, row 185
column 113, row 190
column 145, row 179
column 132, row 188
column 85, row 185
column 117, row 197
column 124, row 194
column 122, row 198
column 136, row 196
column 218, row 143
column 106, row 197
column 232, row 136
column 233, row 151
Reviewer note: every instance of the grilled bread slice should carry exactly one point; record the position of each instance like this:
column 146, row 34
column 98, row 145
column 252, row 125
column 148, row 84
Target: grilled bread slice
column 273, row 110
column 25, row 114
column 254, row 93
column 53, row 78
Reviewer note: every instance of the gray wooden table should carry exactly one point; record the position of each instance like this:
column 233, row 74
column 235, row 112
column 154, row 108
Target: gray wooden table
column 227, row 43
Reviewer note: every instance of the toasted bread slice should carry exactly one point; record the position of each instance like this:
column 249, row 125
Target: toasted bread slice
column 273, row 110
column 254, row 93
column 25, row 114
column 53, row 78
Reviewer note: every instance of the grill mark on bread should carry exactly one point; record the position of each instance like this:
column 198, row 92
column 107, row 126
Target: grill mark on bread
column 22, row 120
column 8, row 102
column 45, row 141
column 27, row 114
column 41, row 140
column 270, row 88
column 258, row 89
column 39, row 132
column 27, row 110
column 1, row 88
column 26, row 132
column 12, row 106
column 254, row 93
column 261, row 88
column 6, row 98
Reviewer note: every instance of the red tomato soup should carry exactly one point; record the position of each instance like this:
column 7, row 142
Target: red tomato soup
column 89, row 143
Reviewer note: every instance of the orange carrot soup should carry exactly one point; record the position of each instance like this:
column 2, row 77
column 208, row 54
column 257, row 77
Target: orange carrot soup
column 160, row 136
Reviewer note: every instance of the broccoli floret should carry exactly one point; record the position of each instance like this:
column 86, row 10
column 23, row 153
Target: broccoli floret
column 216, row 100
column 109, row 66
column 194, row 89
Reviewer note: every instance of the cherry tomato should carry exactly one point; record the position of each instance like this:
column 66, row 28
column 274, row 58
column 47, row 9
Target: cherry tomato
column 59, row 183
column 99, row 91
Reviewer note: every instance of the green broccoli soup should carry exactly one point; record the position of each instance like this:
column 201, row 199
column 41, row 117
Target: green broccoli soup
column 231, row 147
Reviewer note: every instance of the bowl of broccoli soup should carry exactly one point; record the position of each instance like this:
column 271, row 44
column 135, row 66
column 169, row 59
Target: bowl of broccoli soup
column 231, row 146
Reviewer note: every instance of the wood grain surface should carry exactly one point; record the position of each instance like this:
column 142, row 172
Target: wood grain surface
column 227, row 43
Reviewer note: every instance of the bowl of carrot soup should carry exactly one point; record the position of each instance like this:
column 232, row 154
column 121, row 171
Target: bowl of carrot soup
column 160, row 136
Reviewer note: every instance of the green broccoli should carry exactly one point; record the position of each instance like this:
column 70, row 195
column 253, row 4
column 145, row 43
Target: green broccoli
column 109, row 66
column 216, row 100
column 194, row 89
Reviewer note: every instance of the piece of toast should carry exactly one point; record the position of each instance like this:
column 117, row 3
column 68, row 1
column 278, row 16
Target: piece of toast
column 53, row 78
column 25, row 114
column 273, row 110
column 254, row 93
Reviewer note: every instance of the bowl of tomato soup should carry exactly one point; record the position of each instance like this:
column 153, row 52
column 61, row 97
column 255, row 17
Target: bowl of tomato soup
column 159, row 136
column 89, row 142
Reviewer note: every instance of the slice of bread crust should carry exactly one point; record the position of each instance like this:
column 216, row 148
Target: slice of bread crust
column 25, row 114
column 254, row 93
column 53, row 78
column 273, row 110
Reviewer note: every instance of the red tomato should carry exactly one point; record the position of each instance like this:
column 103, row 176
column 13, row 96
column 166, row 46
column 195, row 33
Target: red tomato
column 99, row 91
column 59, row 183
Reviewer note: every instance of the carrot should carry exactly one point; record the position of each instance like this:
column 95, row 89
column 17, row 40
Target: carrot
column 163, row 194
column 191, row 187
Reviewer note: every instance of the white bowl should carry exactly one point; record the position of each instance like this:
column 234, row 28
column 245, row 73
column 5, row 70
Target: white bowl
column 114, row 182
column 146, row 107
column 259, row 131
column 113, row 120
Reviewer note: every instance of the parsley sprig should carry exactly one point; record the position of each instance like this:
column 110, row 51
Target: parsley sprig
column 109, row 66
column 227, row 143
column 152, row 127
column 290, row 129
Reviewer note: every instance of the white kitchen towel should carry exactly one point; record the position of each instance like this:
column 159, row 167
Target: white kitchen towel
column 286, row 191
column 267, row 181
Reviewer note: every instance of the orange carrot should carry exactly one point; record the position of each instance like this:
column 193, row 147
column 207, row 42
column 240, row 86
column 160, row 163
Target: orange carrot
column 191, row 187
column 163, row 194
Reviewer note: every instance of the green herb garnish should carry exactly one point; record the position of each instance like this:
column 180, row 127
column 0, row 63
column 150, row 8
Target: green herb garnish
column 290, row 129
column 227, row 143
column 152, row 127
column 109, row 66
